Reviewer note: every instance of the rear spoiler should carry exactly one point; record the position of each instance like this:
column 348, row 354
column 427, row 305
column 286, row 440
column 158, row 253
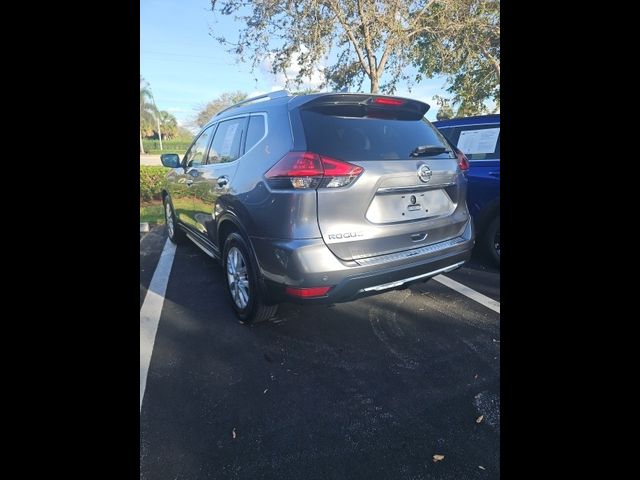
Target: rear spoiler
column 367, row 105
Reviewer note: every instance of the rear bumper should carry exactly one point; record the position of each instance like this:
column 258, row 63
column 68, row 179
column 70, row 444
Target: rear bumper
column 359, row 286
column 309, row 263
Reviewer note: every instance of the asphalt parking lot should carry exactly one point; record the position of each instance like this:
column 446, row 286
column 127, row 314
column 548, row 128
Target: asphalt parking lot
column 368, row 389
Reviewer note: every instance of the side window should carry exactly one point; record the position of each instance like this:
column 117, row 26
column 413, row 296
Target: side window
column 195, row 154
column 227, row 140
column 255, row 131
column 480, row 142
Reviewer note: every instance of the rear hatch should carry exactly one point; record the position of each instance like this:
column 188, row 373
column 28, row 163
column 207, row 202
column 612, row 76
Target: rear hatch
column 411, row 192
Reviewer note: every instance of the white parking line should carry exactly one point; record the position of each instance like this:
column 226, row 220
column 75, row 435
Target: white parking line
column 151, row 310
column 468, row 292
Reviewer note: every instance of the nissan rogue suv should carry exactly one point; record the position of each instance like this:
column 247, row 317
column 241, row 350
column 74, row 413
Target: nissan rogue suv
column 320, row 198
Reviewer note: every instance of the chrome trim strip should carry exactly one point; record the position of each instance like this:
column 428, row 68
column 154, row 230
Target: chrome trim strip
column 200, row 246
column 385, row 286
column 392, row 257
column 413, row 188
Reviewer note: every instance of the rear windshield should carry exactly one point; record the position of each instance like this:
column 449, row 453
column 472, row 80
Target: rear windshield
column 350, row 138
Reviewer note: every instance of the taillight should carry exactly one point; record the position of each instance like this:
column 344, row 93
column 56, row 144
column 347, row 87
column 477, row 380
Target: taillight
column 308, row 170
column 463, row 161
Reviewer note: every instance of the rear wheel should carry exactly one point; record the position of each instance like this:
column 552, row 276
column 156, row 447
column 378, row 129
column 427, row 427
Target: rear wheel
column 492, row 240
column 242, row 282
column 176, row 235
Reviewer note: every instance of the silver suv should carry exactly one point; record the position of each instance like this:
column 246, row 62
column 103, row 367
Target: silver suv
column 320, row 198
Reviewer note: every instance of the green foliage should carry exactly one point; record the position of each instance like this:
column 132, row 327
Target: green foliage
column 147, row 109
column 370, row 38
column 152, row 179
column 150, row 116
column 461, row 39
column 168, row 125
column 445, row 111
column 223, row 101
column 176, row 145
column 152, row 213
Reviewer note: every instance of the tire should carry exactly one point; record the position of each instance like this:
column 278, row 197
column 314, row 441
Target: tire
column 176, row 235
column 491, row 240
column 242, row 281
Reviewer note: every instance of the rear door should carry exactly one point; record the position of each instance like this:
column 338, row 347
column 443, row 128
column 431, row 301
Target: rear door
column 401, row 200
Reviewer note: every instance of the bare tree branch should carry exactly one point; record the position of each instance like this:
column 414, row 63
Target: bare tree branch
column 336, row 10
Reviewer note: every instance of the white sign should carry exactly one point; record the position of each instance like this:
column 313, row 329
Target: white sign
column 478, row 141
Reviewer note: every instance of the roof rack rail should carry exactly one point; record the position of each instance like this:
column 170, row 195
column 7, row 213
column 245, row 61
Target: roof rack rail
column 271, row 95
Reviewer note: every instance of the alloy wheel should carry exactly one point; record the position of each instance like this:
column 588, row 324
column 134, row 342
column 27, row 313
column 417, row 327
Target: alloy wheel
column 169, row 218
column 237, row 277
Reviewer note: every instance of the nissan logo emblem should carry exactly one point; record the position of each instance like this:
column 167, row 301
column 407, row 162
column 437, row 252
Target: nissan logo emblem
column 424, row 173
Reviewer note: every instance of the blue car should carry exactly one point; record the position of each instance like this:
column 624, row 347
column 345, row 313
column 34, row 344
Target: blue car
column 479, row 139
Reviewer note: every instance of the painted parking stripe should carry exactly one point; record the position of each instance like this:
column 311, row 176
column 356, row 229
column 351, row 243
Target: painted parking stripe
column 151, row 310
column 468, row 292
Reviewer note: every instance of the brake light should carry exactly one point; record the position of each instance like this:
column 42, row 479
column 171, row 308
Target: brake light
column 308, row 170
column 463, row 161
column 388, row 101
column 307, row 292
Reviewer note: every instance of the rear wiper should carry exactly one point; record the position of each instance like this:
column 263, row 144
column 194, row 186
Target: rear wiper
column 429, row 150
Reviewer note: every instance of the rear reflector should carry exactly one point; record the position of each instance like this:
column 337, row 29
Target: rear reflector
column 308, row 292
column 310, row 170
column 388, row 101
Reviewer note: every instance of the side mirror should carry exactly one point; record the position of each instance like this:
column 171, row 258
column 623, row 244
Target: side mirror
column 171, row 160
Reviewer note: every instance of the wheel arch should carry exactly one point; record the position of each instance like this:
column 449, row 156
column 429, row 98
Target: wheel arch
column 229, row 223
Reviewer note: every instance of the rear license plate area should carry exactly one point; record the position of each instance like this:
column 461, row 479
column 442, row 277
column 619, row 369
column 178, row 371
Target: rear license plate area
column 393, row 208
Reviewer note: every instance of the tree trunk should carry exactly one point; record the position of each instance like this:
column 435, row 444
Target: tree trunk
column 141, row 146
column 374, row 83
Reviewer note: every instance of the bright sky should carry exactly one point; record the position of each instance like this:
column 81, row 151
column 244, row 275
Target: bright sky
column 187, row 68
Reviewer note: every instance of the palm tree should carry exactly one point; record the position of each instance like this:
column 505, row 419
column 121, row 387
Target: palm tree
column 169, row 124
column 147, row 108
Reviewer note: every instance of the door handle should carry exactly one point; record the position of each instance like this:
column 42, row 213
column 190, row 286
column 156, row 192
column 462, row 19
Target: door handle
column 495, row 174
column 222, row 181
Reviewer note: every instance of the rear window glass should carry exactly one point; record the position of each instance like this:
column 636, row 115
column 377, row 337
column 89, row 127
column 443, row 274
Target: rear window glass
column 349, row 138
column 255, row 131
column 478, row 142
